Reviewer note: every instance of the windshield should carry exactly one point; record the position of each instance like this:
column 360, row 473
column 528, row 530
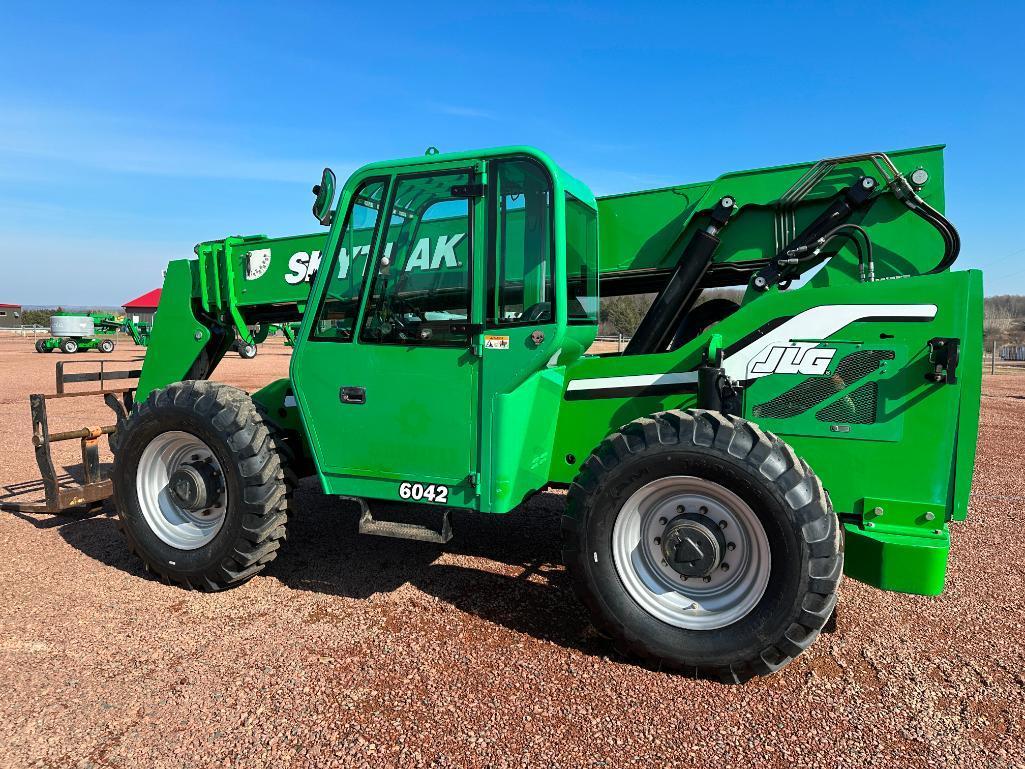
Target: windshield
column 337, row 316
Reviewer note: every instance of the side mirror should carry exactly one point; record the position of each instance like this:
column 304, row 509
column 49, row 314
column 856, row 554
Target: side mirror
column 325, row 192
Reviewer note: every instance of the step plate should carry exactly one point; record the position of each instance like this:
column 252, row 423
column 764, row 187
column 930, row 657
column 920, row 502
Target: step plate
column 369, row 525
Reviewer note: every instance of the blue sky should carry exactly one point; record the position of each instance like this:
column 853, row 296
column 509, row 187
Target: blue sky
column 130, row 132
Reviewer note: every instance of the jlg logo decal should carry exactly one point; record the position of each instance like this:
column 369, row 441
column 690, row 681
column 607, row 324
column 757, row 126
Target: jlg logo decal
column 792, row 359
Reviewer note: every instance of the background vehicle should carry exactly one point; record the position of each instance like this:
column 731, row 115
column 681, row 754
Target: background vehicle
column 71, row 333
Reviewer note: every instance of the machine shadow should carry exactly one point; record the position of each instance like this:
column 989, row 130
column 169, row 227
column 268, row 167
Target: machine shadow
column 506, row 570
column 93, row 533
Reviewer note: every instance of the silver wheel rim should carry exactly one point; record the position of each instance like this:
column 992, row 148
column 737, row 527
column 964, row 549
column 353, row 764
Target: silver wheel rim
column 72, row 346
column 691, row 603
column 175, row 526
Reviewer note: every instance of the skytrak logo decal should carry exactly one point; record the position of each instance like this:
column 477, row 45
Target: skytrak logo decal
column 422, row 258
column 793, row 359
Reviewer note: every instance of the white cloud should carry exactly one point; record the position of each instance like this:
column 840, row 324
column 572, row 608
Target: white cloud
column 462, row 110
column 127, row 145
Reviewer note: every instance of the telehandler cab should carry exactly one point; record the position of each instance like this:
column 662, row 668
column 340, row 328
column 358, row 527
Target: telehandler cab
column 723, row 470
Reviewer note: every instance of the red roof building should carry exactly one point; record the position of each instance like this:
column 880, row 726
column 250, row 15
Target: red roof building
column 10, row 315
column 142, row 308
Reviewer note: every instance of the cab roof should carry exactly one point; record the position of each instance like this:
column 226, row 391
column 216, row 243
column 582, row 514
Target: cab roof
column 566, row 181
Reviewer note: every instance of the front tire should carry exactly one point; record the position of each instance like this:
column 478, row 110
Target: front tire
column 69, row 345
column 40, row 345
column 107, row 345
column 701, row 543
column 218, row 435
column 247, row 351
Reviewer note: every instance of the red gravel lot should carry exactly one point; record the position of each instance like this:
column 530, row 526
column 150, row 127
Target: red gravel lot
column 362, row 651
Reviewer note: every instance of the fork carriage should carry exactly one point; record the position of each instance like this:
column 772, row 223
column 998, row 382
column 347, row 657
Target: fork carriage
column 96, row 485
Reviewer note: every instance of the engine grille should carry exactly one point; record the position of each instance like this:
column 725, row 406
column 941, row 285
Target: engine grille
column 815, row 390
column 856, row 408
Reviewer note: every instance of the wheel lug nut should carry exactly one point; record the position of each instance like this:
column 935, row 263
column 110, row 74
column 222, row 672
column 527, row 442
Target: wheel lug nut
column 658, row 540
column 693, row 607
column 680, row 508
column 704, row 510
column 708, row 579
column 665, row 562
column 663, row 521
column 722, row 524
column 731, row 546
column 725, row 567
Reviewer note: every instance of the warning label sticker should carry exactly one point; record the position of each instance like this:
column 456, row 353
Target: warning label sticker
column 496, row 343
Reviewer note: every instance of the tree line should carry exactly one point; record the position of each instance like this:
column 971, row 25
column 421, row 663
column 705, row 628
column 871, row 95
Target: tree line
column 1004, row 314
column 623, row 314
column 41, row 315
column 1004, row 320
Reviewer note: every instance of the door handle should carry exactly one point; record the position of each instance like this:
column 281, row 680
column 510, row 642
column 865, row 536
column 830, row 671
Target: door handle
column 356, row 395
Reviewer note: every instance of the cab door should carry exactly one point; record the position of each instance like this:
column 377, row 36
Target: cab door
column 387, row 380
column 522, row 337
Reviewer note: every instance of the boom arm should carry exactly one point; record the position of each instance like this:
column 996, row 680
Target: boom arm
column 234, row 285
column 644, row 234
column 775, row 232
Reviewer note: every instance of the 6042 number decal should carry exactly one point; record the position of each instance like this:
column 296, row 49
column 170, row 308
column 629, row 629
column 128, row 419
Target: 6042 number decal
column 432, row 492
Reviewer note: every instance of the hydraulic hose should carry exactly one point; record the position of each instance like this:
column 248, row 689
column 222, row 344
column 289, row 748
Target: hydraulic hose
column 951, row 239
column 808, row 253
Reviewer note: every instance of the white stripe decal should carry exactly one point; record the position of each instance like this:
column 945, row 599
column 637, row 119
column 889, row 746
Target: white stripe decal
column 640, row 380
column 817, row 323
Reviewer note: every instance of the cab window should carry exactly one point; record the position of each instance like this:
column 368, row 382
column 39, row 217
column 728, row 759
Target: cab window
column 522, row 265
column 581, row 261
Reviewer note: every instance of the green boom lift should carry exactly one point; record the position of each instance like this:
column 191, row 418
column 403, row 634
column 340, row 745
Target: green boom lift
column 723, row 471
column 72, row 332
column 288, row 330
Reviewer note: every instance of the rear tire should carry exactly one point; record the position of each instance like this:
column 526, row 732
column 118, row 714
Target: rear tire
column 107, row 345
column 69, row 345
column 40, row 345
column 245, row 527
column 780, row 524
column 247, row 351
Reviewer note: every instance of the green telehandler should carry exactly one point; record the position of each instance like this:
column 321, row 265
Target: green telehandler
column 723, row 470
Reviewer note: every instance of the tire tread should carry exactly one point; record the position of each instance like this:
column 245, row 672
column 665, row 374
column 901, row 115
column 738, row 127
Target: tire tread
column 261, row 462
column 768, row 456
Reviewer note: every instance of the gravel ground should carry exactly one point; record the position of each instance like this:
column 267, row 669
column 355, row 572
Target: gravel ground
column 362, row 651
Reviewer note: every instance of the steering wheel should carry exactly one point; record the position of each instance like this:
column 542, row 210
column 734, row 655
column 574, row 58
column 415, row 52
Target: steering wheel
column 537, row 312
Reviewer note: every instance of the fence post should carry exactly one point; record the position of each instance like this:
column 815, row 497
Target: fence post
column 993, row 360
